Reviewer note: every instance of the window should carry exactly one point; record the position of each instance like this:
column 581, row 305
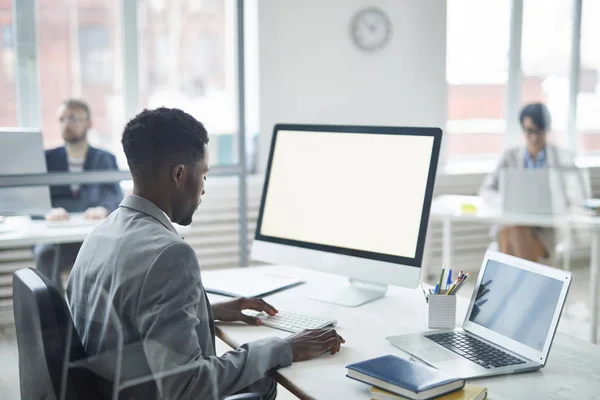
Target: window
column 95, row 55
column 187, row 60
column 545, row 59
column 476, row 72
column 588, row 99
column 8, row 95
column 79, row 56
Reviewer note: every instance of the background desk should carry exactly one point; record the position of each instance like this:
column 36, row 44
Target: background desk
column 572, row 372
column 447, row 209
column 22, row 231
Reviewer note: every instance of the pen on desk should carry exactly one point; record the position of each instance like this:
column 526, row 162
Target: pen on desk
column 449, row 291
column 424, row 293
column 449, row 280
column 437, row 289
column 462, row 282
column 441, row 282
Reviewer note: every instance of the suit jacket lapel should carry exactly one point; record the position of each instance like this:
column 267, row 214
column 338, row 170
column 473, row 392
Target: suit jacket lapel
column 552, row 157
column 90, row 157
column 61, row 161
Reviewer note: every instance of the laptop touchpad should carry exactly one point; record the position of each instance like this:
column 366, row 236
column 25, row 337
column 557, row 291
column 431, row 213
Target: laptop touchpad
column 434, row 354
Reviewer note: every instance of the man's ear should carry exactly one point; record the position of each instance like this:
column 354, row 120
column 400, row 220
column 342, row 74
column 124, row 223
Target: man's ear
column 177, row 174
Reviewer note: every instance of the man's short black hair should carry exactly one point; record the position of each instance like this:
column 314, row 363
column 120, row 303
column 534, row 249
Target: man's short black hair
column 539, row 114
column 77, row 103
column 156, row 137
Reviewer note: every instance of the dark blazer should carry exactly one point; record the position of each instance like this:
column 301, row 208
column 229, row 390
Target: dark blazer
column 107, row 195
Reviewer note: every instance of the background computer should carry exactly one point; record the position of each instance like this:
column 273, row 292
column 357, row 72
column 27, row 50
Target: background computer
column 550, row 191
column 349, row 200
column 22, row 152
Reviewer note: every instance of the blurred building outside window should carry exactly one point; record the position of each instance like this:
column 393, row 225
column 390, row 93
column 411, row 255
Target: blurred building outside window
column 588, row 98
column 8, row 89
column 477, row 73
column 545, row 59
column 187, row 59
column 80, row 56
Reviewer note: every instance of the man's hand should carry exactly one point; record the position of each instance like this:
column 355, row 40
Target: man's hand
column 231, row 311
column 58, row 214
column 312, row 343
column 96, row 213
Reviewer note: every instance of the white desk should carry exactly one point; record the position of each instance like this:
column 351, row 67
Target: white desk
column 447, row 209
column 572, row 371
column 24, row 232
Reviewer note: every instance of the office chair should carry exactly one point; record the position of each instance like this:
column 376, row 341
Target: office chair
column 52, row 359
column 42, row 320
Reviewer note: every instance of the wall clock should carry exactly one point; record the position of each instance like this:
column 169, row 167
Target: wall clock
column 371, row 29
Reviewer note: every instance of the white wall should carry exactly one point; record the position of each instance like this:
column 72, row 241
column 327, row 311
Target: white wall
column 311, row 72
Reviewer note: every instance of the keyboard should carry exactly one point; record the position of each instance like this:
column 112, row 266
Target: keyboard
column 291, row 322
column 474, row 350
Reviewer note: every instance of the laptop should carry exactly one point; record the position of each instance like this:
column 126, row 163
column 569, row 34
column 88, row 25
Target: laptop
column 22, row 152
column 531, row 191
column 545, row 191
column 509, row 326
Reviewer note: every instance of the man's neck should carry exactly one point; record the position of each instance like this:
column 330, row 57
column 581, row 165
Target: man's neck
column 157, row 200
column 77, row 149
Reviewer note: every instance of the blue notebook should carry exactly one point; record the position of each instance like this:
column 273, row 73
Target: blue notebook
column 404, row 377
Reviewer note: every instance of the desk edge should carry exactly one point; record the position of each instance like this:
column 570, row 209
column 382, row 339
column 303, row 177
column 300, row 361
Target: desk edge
column 283, row 381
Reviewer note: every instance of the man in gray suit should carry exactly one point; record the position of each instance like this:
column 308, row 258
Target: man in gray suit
column 134, row 273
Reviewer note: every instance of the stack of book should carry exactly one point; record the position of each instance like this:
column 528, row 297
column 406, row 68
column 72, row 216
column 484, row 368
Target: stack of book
column 396, row 378
column 468, row 392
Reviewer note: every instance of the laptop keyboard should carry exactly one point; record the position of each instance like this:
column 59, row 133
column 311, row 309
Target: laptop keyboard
column 474, row 350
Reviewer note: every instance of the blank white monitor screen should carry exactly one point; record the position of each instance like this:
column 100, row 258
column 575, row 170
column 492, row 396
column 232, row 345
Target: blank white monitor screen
column 361, row 191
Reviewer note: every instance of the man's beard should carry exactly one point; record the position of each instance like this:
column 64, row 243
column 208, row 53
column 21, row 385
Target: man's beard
column 187, row 221
column 75, row 140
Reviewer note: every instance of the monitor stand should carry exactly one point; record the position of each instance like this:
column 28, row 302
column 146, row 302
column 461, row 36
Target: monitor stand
column 354, row 293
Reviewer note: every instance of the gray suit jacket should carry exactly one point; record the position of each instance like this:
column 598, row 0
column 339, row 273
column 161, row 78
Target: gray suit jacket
column 515, row 158
column 134, row 273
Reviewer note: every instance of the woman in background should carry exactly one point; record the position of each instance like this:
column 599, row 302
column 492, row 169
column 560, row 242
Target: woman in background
column 530, row 243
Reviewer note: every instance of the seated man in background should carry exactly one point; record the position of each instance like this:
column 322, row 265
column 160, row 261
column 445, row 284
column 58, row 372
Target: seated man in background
column 96, row 201
column 530, row 243
column 136, row 264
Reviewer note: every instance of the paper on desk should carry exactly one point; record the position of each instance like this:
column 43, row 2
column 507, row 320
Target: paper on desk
column 241, row 282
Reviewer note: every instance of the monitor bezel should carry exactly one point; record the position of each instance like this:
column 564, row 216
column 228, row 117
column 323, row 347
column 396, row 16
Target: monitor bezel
column 435, row 133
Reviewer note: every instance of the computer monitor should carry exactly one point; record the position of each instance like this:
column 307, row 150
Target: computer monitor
column 22, row 152
column 349, row 200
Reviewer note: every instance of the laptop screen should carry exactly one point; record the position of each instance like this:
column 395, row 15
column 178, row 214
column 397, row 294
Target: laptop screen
column 516, row 303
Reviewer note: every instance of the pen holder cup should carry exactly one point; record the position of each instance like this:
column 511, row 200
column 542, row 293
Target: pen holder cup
column 442, row 311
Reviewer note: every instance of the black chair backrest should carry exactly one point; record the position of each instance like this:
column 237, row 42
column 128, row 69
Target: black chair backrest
column 43, row 322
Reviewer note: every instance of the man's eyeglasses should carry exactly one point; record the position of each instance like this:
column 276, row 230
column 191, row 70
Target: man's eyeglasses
column 72, row 120
column 534, row 131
